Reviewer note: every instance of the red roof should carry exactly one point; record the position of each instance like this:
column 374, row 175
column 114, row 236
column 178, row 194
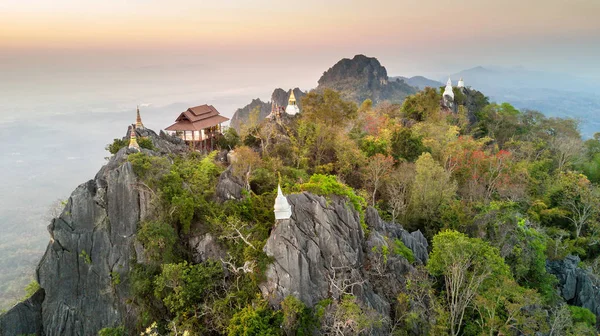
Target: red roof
column 197, row 118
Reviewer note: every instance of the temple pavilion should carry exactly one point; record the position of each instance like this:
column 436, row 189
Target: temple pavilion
column 198, row 126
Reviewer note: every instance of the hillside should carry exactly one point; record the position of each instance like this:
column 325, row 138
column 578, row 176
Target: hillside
column 555, row 94
column 412, row 219
column 419, row 82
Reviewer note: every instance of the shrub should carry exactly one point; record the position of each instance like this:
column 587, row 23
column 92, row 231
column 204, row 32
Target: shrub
column 118, row 331
column 582, row 315
column 117, row 144
column 145, row 143
column 183, row 287
column 401, row 249
column 259, row 320
column 158, row 240
column 30, row 289
column 327, row 185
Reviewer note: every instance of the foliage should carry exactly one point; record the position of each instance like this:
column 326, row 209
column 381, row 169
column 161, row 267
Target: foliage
column 183, row 288
column 255, row 320
column 117, row 331
column 467, row 265
column 583, row 315
column 401, row 249
column 145, row 143
column 327, row 185
column 432, row 188
column 423, row 105
column 158, row 240
column 229, row 140
column 86, row 257
column 327, row 108
column 117, row 144
column 406, row 145
column 30, row 289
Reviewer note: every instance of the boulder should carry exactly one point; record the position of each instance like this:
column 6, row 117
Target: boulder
column 229, row 187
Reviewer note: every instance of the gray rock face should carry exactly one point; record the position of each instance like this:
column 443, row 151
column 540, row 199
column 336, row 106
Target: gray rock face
column 84, row 271
column 86, row 264
column 25, row 318
column 577, row 286
column 321, row 252
column 229, row 187
column 205, row 247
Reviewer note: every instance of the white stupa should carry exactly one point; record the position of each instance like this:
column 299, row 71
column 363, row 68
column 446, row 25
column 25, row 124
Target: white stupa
column 448, row 90
column 292, row 107
column 282, row 209
column 461, row 84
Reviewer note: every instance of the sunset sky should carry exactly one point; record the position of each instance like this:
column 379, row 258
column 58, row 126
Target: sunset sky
column 408, row 36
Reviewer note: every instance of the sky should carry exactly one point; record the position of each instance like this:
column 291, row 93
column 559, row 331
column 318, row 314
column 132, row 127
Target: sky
column 409, row 36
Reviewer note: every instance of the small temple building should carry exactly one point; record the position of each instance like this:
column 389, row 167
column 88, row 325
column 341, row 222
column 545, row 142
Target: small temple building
column 198, row 126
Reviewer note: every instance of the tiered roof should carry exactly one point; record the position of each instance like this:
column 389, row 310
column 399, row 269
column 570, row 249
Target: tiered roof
column 197, row 118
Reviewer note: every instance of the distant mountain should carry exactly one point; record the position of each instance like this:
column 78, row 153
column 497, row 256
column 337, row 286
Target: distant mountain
column 279, row 97
column 554, row 94
column 419, row 82
column 363, row 78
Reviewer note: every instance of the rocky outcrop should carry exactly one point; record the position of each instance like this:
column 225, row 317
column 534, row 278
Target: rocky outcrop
column 363, row 78
column 321, row 252
column 280, row 97
column 229, row 187
column 84, row 271
column 205, row 247
column 25, row 318
column 577, row 286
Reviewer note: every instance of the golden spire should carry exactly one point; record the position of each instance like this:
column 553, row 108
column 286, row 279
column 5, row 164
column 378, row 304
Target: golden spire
column 292, row 100
column 133, row 140
column 138, row 121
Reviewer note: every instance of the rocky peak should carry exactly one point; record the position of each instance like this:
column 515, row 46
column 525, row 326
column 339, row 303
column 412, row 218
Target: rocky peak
column 363, row 78
column 84, row 271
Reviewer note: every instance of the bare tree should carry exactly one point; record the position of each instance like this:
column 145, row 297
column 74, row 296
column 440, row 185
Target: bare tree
column 568, row 150
column 378, row 167
column 397, row 188
column 560, row 320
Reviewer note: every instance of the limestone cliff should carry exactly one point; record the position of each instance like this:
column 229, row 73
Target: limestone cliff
column 84, row 271
column 321, row 252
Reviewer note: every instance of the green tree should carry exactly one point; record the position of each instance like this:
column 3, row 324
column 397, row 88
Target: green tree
column 328, row 108
column 422, row 106
column 432, row 188
column 467, row 266
column 158, row 239
column 406, row 146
